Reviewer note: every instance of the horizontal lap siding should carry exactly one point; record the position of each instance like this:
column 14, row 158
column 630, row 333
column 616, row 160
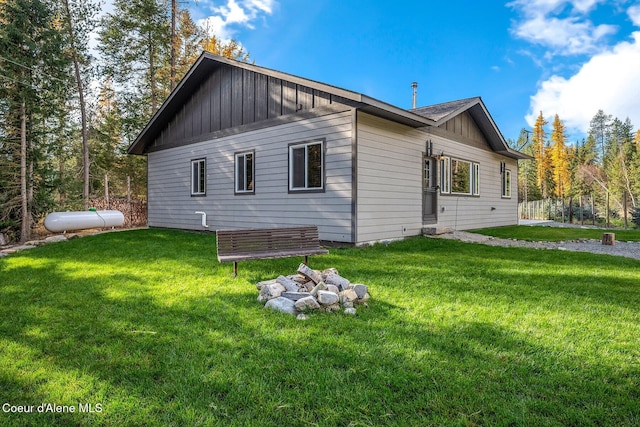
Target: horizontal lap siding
column 171, row 205
column 465, row 212
column 389, row 180
column 390, row 186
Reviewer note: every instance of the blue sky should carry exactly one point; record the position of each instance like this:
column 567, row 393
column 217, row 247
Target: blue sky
column 522, row 57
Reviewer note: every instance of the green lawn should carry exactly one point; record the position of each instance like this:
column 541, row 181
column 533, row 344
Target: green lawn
column 149, row 326
column 556, row 234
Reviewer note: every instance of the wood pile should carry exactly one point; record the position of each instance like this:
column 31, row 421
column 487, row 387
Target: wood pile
column 134, row 211
column 312, row 290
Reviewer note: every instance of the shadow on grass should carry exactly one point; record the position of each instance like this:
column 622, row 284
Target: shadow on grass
column 204, row 352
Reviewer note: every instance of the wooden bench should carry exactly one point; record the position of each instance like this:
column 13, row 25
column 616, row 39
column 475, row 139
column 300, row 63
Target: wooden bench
column 263, row 243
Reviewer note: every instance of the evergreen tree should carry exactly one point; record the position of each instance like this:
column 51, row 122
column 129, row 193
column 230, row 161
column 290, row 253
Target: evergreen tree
column 599, row 129
column 135, row 46
column 35, row 82
column 79, row 20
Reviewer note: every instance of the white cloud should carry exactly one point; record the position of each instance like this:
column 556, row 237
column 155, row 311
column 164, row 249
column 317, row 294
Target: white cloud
column 568, row 36
column 536, row 7
column 560, row 25
column 634, row 14
column 608, row 81
column 225, row 20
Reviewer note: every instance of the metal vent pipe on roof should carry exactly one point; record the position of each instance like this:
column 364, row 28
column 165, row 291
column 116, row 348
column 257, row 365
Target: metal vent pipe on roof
column 414, row 100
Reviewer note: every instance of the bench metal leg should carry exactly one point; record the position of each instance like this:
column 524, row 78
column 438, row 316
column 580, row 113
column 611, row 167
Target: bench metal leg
column 235, row 268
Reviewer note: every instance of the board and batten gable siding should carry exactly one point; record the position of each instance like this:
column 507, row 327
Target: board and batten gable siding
column 389, row 182
column 231, row 97
column 171, row 204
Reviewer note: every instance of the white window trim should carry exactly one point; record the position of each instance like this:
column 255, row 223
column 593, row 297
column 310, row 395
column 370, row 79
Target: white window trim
column 306, row 170
column 237, row 157
column 506, row 189
column 445, row 177
column 196, row 169
column 475, row 179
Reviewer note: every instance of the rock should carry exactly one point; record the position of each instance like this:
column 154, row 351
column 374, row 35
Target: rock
column 4, row 240
column 328, row 298
column 264, row 283
column 309, row 273
column 360, row 290
column 319, row 287
column 281, row 304
column 364, row 299
column 56, row 238
column 19, row 248
column 307, row 303
column 299, row 279
column 295, row 296
column 339, row 281
column 34, row 243
column 348, row 295
column 302, row 316
column 304, row 295
column 333, row 288
column 2, row 254
column 270, row 292
column 308, row 286
column 328, row 271
column 288, row 284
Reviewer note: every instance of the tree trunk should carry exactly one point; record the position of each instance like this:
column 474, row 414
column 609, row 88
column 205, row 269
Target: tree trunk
column 25, row 229
column 608, row 239
column 83, row 111
column 152, row 76
column 106, row 191
column 172, row 76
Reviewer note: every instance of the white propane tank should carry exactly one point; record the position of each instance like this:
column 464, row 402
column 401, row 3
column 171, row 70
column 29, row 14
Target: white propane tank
column 57, row 222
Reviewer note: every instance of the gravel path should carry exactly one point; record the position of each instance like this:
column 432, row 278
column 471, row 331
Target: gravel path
column 625, row 249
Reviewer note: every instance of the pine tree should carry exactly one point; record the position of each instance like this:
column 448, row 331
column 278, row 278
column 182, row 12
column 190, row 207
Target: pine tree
column 599, row 129
column 79, row 21
column 35, row 83
column 135, row 46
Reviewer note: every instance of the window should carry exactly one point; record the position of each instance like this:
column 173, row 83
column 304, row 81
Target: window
column 306, row 166
column 245, row 171
column 506, row 183
column 459, row 177
column 198, row 177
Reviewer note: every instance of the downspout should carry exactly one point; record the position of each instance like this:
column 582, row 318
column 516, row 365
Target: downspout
column 204, row 218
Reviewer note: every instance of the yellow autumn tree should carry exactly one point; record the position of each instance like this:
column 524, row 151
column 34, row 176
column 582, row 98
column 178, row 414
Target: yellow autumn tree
column 559, row 158
column 541, row 155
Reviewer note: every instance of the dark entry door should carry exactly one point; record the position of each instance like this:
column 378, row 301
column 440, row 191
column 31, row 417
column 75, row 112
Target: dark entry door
column 429, row 191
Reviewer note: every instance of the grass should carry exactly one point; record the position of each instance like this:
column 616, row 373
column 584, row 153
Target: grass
column 556, row 234
column 147, row 324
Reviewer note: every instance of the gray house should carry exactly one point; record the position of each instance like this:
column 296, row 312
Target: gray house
column 254, row 147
